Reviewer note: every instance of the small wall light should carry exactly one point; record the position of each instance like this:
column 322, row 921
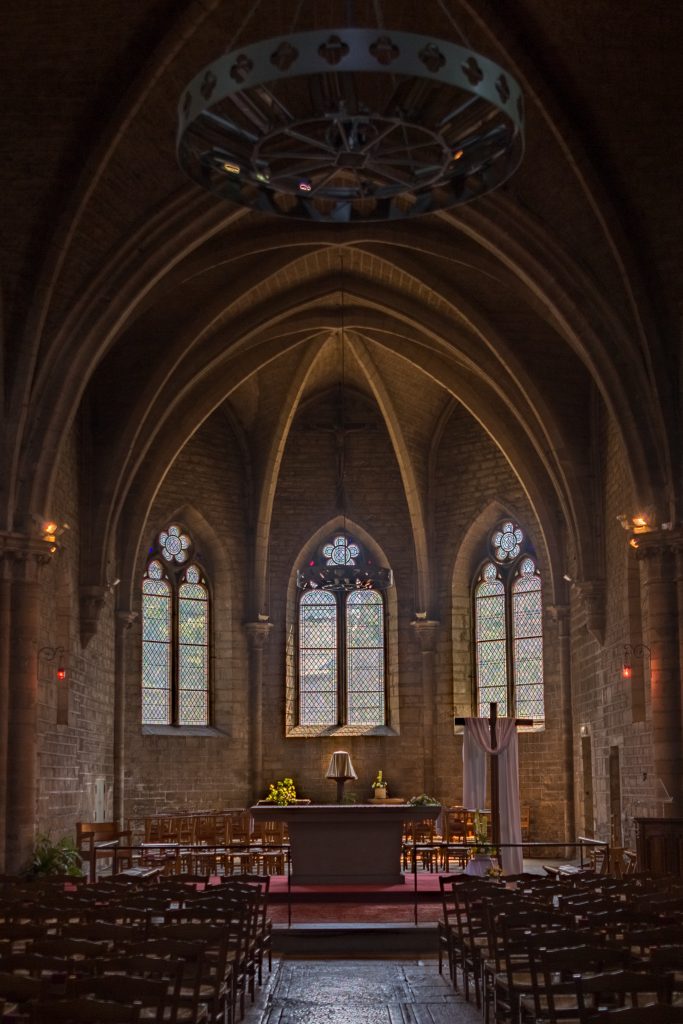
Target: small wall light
column 49, row 654
column 637, row 651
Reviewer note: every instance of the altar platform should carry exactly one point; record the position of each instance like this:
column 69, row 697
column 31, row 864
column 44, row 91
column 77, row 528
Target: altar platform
column 427, row 891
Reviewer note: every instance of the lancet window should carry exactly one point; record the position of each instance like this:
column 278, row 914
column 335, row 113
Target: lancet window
column 508, row 627
column 341, row 640
column 175, row 634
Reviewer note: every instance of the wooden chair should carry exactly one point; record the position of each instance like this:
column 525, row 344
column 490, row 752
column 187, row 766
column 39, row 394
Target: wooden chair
column 553, row 972
column 214, row 978
column 453, row 839
column 268, row 849
column 150, row 994
column 264, row 926
column 193, row 996
column 612, row 990
column 447, row 928
column 159, row 969
column 419, row 843
column 96, row 840
column 84, row 1010
column 657, row 1013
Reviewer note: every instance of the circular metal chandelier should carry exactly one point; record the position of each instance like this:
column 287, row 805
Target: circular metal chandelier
column 351, row 124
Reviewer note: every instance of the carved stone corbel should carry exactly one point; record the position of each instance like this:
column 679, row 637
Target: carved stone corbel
column 592, row 596
column 92, row 600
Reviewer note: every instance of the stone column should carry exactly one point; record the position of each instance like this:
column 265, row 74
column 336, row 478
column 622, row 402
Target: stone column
column 5, row 646
column 28, row 555
column 659, row 553
column 426, row 633
column 124, row 620
column 257, row 636
column 559, row 613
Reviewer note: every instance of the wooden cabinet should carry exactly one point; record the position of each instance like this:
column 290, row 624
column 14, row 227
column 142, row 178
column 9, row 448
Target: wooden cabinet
column 659, row 844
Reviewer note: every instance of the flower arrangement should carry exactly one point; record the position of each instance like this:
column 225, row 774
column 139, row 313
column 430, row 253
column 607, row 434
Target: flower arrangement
column 423, row 801
column 494, row 872
column 380, row 782
column 282, row 792
column 481, row 834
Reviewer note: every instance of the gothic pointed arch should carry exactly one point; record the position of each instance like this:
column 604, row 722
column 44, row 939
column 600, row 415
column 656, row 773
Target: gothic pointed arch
column 342, row 647
column 175, row 613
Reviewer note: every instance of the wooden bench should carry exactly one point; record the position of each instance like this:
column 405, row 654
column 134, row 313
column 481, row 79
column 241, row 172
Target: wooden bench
column 97, row 840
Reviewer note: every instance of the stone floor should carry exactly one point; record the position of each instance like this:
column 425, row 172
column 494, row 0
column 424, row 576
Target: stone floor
column 359, row 991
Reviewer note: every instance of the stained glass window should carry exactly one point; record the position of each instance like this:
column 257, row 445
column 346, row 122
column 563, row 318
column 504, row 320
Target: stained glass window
column 193, row 650
column 508, row 628
column 318, row 658
column 527, row 641
column 365, row 658
column 341, row 646
column 175, row 636
column 491, row 640
column 156, row 645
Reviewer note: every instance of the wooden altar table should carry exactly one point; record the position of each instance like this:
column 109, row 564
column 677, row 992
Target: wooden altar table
column 346, row 844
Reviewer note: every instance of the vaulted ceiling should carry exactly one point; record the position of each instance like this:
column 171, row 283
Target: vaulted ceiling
column 134, row 297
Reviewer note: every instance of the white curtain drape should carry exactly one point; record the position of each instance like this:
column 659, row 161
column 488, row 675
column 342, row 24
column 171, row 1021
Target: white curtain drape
column 476, row 745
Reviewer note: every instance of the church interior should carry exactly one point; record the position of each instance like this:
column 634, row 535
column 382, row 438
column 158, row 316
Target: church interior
column 465, row 423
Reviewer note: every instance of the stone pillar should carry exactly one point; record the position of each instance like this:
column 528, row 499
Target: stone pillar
column 5, row 647
column 257, row 636
column 426, row 633
column 124, row 620
column 27, row 555
column 559, row 613
column 659, row 553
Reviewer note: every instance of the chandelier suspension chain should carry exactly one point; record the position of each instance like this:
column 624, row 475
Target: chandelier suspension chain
column 454, row 23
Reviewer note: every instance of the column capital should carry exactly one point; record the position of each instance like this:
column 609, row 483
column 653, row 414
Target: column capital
column 22, row 555
column 257, row 633
column 91, row 599
column 658, row 543
column 125, row 618
column 558, row 612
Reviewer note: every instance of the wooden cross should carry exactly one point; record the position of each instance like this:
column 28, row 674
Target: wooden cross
column 493, row 719
column 339, row 427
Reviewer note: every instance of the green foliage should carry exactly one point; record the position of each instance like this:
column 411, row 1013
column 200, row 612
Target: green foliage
column 424, row 801
column 54, row 857
column 282, row 792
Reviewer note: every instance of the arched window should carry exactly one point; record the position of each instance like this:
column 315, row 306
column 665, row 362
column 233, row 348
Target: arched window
column 175, row 635
column 508, row 628
column 341, row 640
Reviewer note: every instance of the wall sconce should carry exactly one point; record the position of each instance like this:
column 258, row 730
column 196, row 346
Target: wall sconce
column 631, row 651
column 49, row 654
column 50, row 531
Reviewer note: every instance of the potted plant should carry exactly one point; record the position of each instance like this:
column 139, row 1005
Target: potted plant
column 380, row 786
column 54, row 857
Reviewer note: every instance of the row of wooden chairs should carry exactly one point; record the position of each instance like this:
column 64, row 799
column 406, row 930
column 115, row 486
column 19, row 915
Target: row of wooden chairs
column 522, row 949
column 182, row 952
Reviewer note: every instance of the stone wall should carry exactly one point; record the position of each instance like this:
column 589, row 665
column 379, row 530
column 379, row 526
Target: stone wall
column 75, row 716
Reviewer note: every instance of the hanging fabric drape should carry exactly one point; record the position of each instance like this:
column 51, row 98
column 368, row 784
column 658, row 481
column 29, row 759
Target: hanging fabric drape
column 476, row 745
